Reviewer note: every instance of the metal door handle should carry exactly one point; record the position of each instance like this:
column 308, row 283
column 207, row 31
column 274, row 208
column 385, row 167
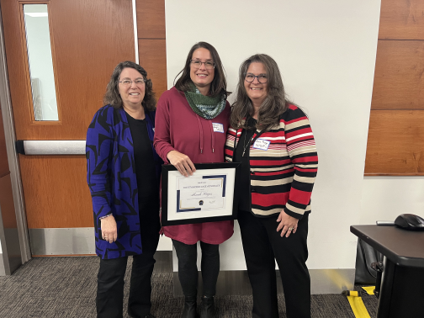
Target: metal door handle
column 50, row 147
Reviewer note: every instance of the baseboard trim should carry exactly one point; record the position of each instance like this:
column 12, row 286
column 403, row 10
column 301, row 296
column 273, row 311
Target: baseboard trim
column 62, row 241
column 71, row 241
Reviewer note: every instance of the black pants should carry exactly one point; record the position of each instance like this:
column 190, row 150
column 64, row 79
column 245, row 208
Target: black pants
column 187, row 267
column 110, row 279
column 262, row 244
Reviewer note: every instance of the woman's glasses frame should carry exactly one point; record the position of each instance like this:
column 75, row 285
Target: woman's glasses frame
column 197, row 64
column 128, row 82
column 262, row 78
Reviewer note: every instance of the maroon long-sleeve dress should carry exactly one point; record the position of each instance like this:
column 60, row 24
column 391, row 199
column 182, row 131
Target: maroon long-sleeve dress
column 179, row 128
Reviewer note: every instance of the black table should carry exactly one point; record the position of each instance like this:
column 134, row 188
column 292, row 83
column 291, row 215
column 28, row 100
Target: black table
column 402, row 285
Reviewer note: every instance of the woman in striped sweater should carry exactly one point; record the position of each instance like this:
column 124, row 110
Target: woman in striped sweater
column 273, row 141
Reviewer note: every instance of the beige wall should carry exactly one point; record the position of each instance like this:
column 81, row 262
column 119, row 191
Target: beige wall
column 326, row 52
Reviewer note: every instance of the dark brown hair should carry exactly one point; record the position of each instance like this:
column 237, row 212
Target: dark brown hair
column 112, row 96
column 274, row 104
column 218, row 85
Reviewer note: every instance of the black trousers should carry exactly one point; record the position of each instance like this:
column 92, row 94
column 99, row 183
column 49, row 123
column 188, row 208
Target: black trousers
column 187, row 267
column 262, row 244
column 110, row 279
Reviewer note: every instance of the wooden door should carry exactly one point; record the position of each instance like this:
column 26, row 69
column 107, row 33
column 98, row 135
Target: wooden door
column 88, row 39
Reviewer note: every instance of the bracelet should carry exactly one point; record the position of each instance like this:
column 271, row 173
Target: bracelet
column 104, row 217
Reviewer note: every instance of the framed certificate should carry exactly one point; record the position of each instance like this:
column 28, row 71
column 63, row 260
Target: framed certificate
column 207, row 195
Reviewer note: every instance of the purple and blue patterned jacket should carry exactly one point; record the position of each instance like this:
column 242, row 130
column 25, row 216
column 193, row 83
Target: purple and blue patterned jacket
column 112, row 179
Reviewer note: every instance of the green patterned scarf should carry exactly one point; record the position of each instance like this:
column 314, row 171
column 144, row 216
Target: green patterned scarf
column 206, row 107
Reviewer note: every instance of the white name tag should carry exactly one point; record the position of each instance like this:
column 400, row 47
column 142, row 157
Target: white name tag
column 217, row 127
column 262, row 144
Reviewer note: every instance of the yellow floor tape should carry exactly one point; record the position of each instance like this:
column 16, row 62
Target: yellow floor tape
column 357, row 305
column 369, row 289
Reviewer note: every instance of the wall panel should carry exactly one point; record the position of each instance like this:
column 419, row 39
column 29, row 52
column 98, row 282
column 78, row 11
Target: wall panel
column 151, row 19
column 395, row 140
column 395, row 143
column 399, row 80
column 402, row 19
column 152, row 42
column 153, row 59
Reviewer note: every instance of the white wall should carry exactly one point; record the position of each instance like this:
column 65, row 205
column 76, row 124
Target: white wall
column 384, row 198
column 165, row 244
column 326, row 53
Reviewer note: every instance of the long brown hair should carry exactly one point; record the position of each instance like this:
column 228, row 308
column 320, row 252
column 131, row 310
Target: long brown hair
column 274, row 104
column 219, row 83
column 112, row 96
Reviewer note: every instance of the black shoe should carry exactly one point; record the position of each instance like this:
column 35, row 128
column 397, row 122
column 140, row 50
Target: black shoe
column 207, row 308
column 190, row 306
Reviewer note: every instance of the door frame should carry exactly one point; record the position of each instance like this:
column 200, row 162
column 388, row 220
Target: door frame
column 12, row 158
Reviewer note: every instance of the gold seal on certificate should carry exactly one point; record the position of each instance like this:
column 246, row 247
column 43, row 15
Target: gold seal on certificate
column 208, row 195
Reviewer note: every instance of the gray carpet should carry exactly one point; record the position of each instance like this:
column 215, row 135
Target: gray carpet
column 66, row 287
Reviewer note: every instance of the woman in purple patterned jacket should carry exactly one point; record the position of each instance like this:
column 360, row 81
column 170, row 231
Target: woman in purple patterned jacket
column 123, row 177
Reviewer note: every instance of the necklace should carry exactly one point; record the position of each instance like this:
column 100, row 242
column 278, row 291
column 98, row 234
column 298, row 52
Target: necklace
column 246, row 144
column 249, row 133
column 248, row 138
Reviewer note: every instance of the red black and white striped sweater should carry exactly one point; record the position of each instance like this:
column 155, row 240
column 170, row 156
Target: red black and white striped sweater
column 281, row 176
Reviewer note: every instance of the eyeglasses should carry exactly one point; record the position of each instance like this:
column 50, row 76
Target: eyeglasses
column 262, row 78
column 127, row 82
column 208, row 65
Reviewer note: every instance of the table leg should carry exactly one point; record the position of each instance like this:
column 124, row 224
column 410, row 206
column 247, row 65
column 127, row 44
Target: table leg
column 401, row 292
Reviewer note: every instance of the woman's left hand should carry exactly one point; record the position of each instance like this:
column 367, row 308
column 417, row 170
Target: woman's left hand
column 288, row 224
column 109, row 229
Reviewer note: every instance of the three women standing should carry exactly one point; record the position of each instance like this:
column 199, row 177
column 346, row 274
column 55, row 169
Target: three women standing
column 191, row 125
column 270, row 136
column 273, row 140
column 123, row 176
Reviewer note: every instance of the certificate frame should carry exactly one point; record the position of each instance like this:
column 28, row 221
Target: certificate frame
column 180, row 204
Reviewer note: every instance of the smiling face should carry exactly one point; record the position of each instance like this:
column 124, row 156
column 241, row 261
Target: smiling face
column 132, row 95
column 201, row 76
column 257, row 92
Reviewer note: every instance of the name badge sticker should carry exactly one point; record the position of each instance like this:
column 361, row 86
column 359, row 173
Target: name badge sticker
column 262, row 144
column 217, row 127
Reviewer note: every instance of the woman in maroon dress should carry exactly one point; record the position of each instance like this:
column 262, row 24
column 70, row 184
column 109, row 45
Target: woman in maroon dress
column 191, row 125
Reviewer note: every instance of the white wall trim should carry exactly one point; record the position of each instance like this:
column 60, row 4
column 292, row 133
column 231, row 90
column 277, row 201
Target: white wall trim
column 134, row 10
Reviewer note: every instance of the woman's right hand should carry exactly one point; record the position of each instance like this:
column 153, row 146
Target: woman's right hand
column 182, row 162
column 109, row 229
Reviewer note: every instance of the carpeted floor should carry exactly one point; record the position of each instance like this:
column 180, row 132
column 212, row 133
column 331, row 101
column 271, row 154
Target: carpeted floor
column 66, row 287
